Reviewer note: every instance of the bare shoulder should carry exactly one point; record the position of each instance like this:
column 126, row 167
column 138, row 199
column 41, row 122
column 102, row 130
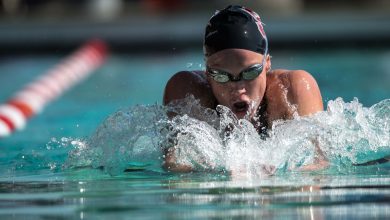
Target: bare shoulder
column 184, row 83
column 300, row 89
column 300, row 79
column 288, row 77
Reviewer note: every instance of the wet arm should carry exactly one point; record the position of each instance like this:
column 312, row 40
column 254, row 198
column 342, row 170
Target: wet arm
column 307, row 98
column 306, row 94
column 170, row 163
column 181, row 84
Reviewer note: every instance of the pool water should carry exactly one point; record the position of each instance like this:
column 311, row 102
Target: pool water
column 70, row 160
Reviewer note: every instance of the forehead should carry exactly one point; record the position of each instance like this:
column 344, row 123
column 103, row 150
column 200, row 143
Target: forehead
column 233, row 58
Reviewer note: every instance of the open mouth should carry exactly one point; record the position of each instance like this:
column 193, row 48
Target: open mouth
column 240, row 107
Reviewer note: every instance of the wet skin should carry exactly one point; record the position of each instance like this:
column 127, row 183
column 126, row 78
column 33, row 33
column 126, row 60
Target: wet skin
column 242, row 97
column 286, row 92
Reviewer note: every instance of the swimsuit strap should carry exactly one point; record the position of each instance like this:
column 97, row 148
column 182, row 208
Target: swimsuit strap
column 262, row 123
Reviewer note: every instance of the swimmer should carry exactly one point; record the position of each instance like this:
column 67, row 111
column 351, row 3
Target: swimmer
column 239, row 76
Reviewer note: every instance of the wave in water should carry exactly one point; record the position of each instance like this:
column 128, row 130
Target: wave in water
column 346, row 133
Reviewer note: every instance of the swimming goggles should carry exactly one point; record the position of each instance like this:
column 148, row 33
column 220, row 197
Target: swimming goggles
column 250, row 73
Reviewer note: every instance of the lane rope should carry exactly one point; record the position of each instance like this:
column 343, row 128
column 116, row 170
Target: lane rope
column 32, row 99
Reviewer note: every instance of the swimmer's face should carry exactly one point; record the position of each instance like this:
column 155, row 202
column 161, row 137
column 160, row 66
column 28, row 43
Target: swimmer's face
column 242, row 97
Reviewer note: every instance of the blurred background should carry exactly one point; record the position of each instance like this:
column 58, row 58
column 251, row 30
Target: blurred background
column 160, row 25
column 344, row 44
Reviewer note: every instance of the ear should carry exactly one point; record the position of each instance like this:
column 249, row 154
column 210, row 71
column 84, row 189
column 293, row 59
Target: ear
column 268, row 64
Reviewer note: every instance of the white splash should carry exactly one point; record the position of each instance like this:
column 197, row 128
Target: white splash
column 216, row 141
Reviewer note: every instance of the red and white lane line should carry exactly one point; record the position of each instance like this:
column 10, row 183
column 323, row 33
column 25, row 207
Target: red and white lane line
column 36, row 95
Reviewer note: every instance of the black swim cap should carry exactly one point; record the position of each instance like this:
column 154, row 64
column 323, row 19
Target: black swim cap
column 235, row 27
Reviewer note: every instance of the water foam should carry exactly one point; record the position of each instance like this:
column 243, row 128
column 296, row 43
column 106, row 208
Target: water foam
column 209, row 140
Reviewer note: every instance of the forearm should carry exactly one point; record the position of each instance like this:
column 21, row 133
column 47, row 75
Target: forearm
column 320, row 161
column 170, row 162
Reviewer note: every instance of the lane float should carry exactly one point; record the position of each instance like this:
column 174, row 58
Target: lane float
column 36, row 95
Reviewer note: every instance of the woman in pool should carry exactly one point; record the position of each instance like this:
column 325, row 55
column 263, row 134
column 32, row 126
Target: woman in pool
column 238, row 75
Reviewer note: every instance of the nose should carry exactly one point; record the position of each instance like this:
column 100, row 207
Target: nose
column 238, row 87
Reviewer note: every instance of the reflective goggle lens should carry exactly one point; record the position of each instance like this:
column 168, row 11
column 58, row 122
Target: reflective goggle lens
column 222, row 78
column 248, row 74
column 252, row 72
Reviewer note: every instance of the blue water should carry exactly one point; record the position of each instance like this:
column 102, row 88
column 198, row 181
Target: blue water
column 69, row 160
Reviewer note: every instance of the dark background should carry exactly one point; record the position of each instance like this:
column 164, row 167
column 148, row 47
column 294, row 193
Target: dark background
column 144, row 26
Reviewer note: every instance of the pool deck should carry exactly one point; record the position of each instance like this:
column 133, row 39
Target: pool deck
column 131, row 35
